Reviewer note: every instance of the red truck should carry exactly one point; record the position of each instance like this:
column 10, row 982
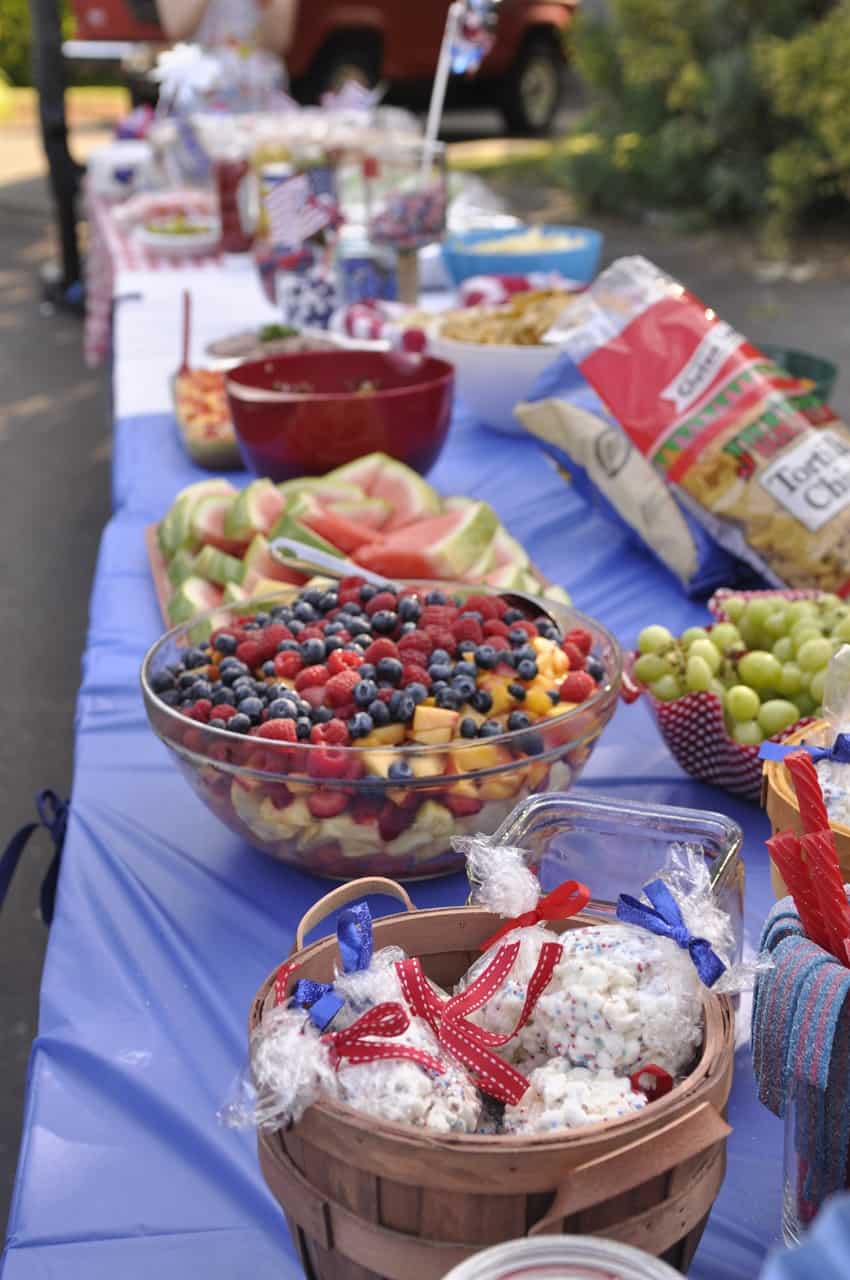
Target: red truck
column 392, row 41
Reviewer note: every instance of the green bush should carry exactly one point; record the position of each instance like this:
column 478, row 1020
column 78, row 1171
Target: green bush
column 15, row 40
column 691, row 101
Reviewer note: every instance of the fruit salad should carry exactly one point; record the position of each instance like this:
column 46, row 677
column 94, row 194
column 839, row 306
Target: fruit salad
column 355, row 730
column 203, row 416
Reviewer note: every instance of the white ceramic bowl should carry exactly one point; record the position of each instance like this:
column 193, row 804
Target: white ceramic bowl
column 491, row 379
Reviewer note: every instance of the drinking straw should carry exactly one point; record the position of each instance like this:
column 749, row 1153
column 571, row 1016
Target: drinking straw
column 825, row 876
column 804, row 775
column 187, row 318
column 785, row 852
column 441, row 80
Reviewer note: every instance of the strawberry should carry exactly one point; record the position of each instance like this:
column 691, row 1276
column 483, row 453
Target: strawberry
column 326, row 803
column 381, row 648
column 577, row 686
column 339, row 688
column 582, row 639
column 343, row 660
column 310, row 677
column 383, row 600
column 287, row 664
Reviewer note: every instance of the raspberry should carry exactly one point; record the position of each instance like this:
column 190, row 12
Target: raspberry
column 311, row 677
column 383, row 600
column 275, row 632
column 382, row 648
column 347, row 710
column 193, row 740
column 250, row 652
column 442, row 638
column 573, row 654
column 528, row 627
column 343, row 660
column 412, row 673
column 223, row 712
column 416, row 642
column 438, row 615
column 332, row 734
column 221, row 751
column 485, row 605
column 351, row 583
column 365, row 809
column 343, row 636
column 340, row 687
column 393, row 820
column 349, row 596
column 385, row 694
column 495, row 627
column 313, row 632
column 327, row 804
column 577, row 686
column 467, row 629
column 279, row 730
column 328, row 762
column 287, row 664
column 582, row 639
column 314, row 696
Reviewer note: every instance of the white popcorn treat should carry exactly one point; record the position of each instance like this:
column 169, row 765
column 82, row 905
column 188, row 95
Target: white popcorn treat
column 291, row 1067
column 620, row 998
column 563, row 1097
column 362, row 989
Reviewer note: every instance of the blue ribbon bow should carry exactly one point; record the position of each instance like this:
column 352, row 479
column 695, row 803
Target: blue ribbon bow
column 665, row 919
column 839, row 752
column 354, row 938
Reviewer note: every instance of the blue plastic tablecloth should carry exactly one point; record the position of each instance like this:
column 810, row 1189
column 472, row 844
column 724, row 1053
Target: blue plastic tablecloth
column 166, row 923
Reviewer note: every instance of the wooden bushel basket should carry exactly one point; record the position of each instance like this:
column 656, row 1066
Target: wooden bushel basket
column 368, row 1200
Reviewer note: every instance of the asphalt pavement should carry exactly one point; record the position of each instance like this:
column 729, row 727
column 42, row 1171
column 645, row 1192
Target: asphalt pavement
column 54, row 485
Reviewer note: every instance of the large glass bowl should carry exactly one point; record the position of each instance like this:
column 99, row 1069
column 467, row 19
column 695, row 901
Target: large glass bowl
column 273, row 795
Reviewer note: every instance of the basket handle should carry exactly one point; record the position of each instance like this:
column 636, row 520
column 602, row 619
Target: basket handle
column 625, row 1168
column 344, row 893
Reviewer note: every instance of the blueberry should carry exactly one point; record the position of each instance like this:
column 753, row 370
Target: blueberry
column 332, row 643
column 194, row 658
column 267, row 668
column 170, row 697
column 449, row 699
column 360, row 724
column 328, row 601
column 594, row 668
column 186, row 681
column 408, row 609
column 176, row 668
column 380, row 713
column 554, row 696
column 262, row 619
column 243, row 687
column 489, row 729
column 303, row 726
column 366, row 592
column 360, row 643
column 435, row 597
column 251, row 707
column 201, row 689
column 399, row 771
column 359, row 626
column 527, row 651
column 227, row 664
column 334, row 628
column 296, row 626
column 517, row 691
column 283, row 709
column 406, row 628
column 239, row 723
column 417, row 691
column 526, row 670
column 547, row 630
column 225, row 644
column 518, row 720
column 384, row 622
column 352, row 608
column 440, row 655
column 485, row 657
column 312, row 596
column 321, row 715
column 251, row 626
column 365, row 692
column 440, row 671
column 405, row 707
column 389, row 670
column 532, row 744
column 482, row 701
column 468, row 728
column 366, row 671
column 313, row 652
column 466, row 669
column 474, row 614
column 505, row 656
column 161, row 681
column 224, row 698
column 305, row 612
column 289, row 646
column 283, row 614
column 518, row 636
column 511, row 615
column 463, row 687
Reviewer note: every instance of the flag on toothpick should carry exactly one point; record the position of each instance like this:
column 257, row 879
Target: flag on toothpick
column 294, row 213
column 474, row 36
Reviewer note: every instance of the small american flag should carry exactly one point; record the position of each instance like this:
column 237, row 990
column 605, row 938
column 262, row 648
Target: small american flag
column 294, row 215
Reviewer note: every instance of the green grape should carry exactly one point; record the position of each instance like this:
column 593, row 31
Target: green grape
column 783, row 649
column 750, row 634
column 725, row 635
column 842, row 631
column 803, row 632
column 747, row 732
column 777, row 624
column 654, row 639
column 760, row 609
column 790, row 680
column 814, row 654
column 650, row 667
column 827, row 600
column 806, row 703
column 718, row 687
column 666, row 689
column 693, row 633
column 734, row 607
column 817, row 685
column 800, row 611
column 760, row 670
column 705, row 649
column 777, row 714
column 698, row 674
column 742, row 703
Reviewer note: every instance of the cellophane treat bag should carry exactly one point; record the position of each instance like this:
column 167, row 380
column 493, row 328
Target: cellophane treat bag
column 749, row 451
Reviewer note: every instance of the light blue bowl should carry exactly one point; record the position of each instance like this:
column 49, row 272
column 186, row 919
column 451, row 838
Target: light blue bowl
column 578, row 264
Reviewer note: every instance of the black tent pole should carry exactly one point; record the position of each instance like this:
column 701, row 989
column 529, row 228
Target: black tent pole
column 49, row 76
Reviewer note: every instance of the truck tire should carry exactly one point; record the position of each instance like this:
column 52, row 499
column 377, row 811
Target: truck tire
column 534, row 86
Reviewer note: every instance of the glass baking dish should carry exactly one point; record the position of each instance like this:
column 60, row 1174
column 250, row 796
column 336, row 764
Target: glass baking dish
column 616, row 846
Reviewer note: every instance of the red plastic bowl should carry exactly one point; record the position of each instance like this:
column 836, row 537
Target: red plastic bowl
column 359, row 402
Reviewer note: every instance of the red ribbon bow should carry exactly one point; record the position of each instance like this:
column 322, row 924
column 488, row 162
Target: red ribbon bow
column 281, row 978
column 565, row 901
column 387, row 1020
column 470, row 1044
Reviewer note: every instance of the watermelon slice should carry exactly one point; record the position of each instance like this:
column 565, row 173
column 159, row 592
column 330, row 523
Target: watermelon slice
column 508, row 551
column 323, row 488
column 181, row 566
column 482, row 566
column 218, row 566
column 380, row 476
column 254, row 511
column 208, row 520
column 361, row 473
column 192, row 597
column 258, row 587
column 174, row 530
column 370, row 512
column 341, row 532
column 234, row 593
column 259, row 562
column 507, row 577
column 441, row 547
column 286, row 527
